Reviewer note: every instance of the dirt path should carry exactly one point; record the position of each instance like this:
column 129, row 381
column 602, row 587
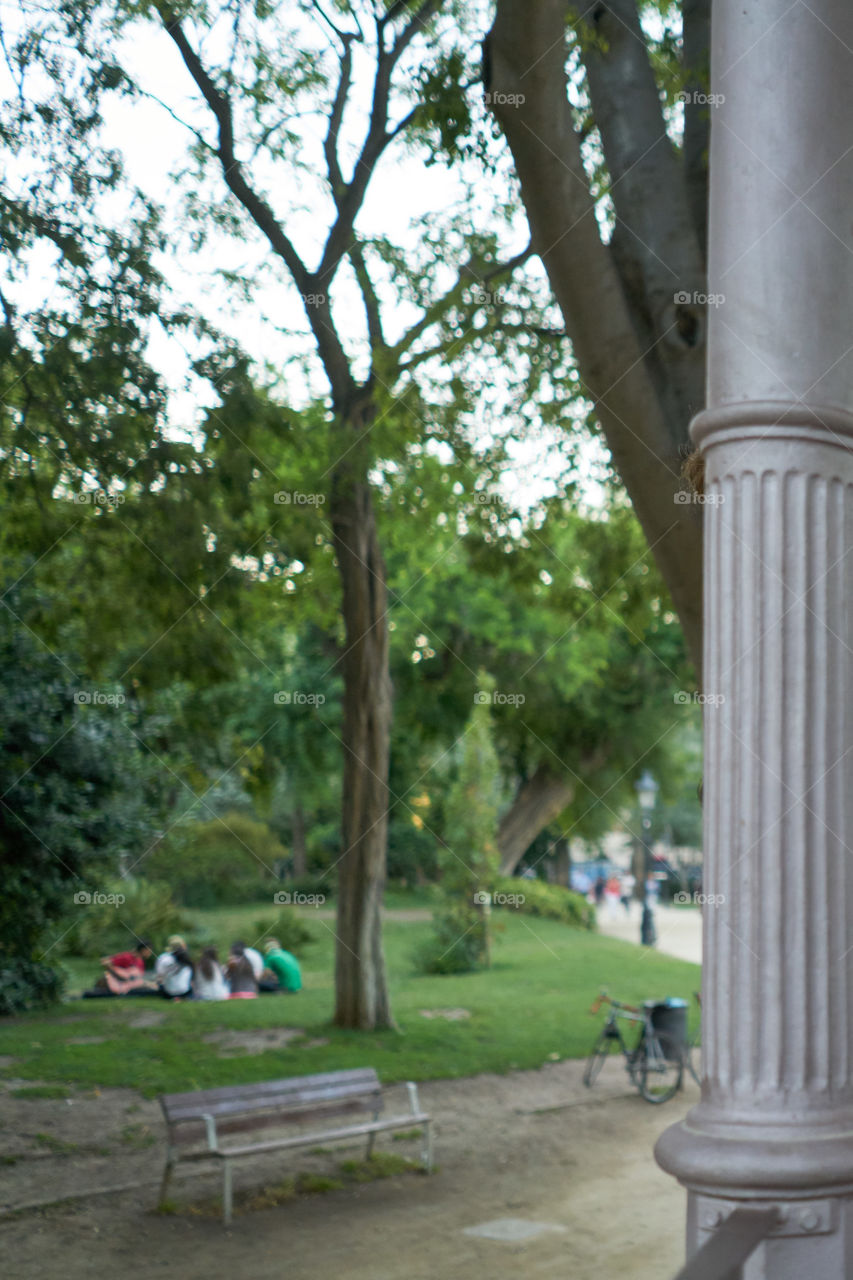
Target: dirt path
column 534, row 1147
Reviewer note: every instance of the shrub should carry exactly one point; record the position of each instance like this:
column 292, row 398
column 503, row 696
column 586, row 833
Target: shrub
column 454, row 947
column 26, row 984
column 294, row 933
column 147, row 913
column 549, row 900
column 228, row 860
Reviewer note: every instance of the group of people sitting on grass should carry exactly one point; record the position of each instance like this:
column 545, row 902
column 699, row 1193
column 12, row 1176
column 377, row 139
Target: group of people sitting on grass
column 176, row 976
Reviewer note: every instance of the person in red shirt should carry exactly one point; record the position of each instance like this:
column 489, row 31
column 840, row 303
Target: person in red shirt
column 126, row 969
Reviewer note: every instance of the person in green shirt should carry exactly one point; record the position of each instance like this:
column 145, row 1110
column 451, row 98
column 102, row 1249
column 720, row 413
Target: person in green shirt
column 283, row 966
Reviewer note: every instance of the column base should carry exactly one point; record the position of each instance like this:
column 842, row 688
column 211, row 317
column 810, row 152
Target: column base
column 749, row 1160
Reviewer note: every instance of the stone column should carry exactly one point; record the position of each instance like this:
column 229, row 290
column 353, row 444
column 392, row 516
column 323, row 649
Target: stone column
column 774, row 1127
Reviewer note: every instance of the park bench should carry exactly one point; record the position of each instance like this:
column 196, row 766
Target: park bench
column 209, row 1115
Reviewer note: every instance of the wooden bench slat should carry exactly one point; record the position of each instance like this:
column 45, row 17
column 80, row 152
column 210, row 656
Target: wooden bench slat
column 194, row 1128
column 326, row 1135
column 361, row 1075
column 304, row 1101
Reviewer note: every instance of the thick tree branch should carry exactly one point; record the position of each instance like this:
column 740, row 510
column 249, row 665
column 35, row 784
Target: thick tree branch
column 528, row 95
column 696, row 20
column 654, row 243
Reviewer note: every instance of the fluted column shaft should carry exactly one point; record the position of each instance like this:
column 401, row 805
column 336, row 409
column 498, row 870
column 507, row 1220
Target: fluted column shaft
column 775, row 1123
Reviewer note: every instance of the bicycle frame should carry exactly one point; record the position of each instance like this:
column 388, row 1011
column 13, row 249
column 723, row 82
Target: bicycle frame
column 652, row 1065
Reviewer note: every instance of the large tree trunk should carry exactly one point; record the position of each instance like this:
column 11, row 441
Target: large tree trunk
column 632, row 308
column 361, row 989
column 538, row 801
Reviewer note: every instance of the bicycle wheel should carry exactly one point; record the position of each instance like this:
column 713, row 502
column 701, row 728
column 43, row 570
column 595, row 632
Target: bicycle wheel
column 657, row 1067
column 607, row 1043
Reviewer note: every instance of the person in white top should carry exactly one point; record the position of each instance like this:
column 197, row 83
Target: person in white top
column 209, row 981
column 174, row 969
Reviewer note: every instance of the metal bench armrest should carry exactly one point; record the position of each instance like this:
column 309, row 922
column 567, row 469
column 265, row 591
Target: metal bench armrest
column 210, row 1126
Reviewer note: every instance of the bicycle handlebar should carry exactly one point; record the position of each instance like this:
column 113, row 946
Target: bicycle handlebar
column 604, row 998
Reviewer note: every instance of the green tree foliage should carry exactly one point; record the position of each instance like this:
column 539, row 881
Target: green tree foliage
column 210, row 864
column 76, row 797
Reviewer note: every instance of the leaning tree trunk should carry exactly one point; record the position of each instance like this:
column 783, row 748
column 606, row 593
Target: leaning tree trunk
column 633, row 309
column 538, row 801
column 360, row 978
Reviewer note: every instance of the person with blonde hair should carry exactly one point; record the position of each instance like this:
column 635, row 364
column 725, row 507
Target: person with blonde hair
column 174, row 969
column 282, row 968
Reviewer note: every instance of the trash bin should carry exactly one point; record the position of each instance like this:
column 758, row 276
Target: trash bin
column 670, row 1015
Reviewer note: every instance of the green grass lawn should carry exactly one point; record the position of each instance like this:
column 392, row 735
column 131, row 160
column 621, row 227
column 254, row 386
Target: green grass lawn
column 531, row 1007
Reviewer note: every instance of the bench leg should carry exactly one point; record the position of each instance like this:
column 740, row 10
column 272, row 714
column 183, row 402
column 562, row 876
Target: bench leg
column 371, row 1138
column 426, row 1150
column 227, row 1193
column 167, row 1174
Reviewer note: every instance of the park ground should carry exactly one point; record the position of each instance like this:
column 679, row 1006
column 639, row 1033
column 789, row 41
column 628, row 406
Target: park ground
column 528, row 1149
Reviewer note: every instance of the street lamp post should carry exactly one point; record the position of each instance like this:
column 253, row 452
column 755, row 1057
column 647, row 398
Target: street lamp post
column 647, row 789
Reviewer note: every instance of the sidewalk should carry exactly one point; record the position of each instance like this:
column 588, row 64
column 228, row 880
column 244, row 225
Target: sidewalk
column 679, row 929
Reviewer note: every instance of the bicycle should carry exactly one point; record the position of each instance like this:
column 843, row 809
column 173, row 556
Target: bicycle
column 655, row 1064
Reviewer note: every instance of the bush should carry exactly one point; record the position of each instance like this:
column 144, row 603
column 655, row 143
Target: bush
column 549, row 900
column 26, row 984
column 148, row 913
column 219, row 863
column 294, row 933
column 454, row 947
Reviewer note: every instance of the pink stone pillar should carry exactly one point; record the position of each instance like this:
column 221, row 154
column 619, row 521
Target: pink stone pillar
column 774, row 1127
